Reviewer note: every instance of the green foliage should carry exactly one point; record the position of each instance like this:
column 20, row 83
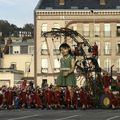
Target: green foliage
column 29, row 28
column 4, row 28
column 8, row 29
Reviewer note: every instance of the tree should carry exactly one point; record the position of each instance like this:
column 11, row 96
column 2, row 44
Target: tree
column 14, row 30
column 5, row 28
column 9, row 30
column 29, row 28
column 1, row 40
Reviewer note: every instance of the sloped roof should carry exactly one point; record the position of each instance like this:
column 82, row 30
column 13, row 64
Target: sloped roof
column 78, row 4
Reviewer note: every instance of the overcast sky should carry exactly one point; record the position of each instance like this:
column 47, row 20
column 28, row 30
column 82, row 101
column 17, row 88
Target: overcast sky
column 18, row 12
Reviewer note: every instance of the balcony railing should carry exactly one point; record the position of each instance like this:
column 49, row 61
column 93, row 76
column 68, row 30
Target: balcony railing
column 107, row 69
column 118, row 70
column 86, row 33
column 56, row 51
column 107, row 33
column 42, row 32
column 96, row 33
column 44, row 70
column 11, row 70
column 107, row 51
column 56, row 70
column 44, row 52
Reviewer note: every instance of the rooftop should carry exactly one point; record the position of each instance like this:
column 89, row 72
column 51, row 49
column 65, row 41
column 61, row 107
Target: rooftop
column 23, row 43
column 11, row 70
column 78, row 4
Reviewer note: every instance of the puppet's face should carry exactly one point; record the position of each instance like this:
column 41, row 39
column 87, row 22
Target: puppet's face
column 64, row 51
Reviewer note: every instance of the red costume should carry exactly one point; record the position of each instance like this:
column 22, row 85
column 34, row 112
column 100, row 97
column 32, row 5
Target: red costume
column 95, row 50
column 48, row 99
column 23, row 98
column 75, row 99
column 112, row 98
column 106, row 81
column 9, row 97
column 37, row 99
column 23, row 84
column 83, row 98
column 57, row 97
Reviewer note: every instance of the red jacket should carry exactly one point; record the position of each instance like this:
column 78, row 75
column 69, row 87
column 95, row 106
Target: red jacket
column 9, row 97
column 57, row 97
column 67, row 96
column 83, row 97
column 106, row 81
column 37, row 99
column 23, row 97
column 48, row 95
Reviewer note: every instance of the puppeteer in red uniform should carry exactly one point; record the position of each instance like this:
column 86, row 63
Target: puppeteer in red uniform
column 95, row 50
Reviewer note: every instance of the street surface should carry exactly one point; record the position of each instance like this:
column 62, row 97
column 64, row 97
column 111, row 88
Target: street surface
column 31, row 114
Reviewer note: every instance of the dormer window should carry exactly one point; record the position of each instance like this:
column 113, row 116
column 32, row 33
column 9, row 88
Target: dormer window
column 102, row 2
column 74, row 7
column 118, row 7
column 61, row 2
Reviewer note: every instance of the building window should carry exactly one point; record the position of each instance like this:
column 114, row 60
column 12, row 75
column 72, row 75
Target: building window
column 118, row 49
column 56, row 65
column 27, row 67
column 44, row 68
column 11, row 50
column 56, row 45
column 107, row 32
column 13, row 65
column 86, row 31
column 107, row 64
column 56, row 25
column 44, row 28
column 31, row 49
column 44, row 83
column 118, row 65
column 118, row 30
column 96, row 30
column 56, row 51
column 74, row 27
column 16, row 49
column 44, row 50
column 24, row 49
column 61, row 2
column 107, row 49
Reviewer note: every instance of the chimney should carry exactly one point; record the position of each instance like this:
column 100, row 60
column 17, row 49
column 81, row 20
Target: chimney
column 102, row 2
column 61, row 2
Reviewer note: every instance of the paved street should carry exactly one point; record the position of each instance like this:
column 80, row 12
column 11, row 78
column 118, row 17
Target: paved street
column 60, row 115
